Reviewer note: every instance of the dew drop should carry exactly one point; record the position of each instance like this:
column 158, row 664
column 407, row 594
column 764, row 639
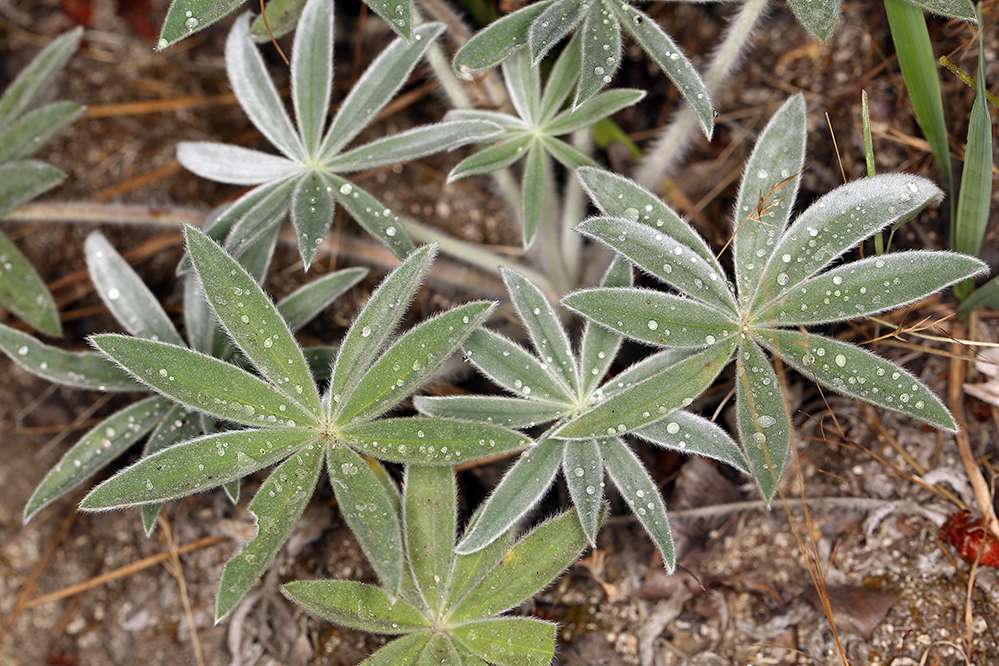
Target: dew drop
column 673, row 427
column 631, row 214
column 346, row 188
column 783, row 279
column 366, row 331
column 391, row 231
column 191, row 23
column 653, row 325
column 840, row 360
column 766, row 421
column 114, row 294
column 762, row 174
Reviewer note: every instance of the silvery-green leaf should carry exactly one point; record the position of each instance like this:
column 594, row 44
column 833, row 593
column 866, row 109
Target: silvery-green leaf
column 664, row 257
column 225, row 163
column 402, row 651
column 856, row 372
column 22, row 181
column 600, row 57
column 376, row 87
column 641, row 494
column 369, row 511
column 665, row 53
column 652, row 399
column 256, row 92
column 282, row 15
column 503, row 411
column 440, row 649
column 23, row 292
column 186, row 17
column 256, row 213
column 618, row 196
column 509, row 640
column 592, row 110
column 583, row 469
column 523, row 84
column 252, row 321
column 429, row 441
column 469, row 570
column 298, row 308
column 25, row 90
column 397, row 13
column 523, row 485
column 276, row 508
column 504, row 120
column 377, row 321
column 410, row 361
column 86, row 370
column 761, row 213
column 762, row 417
column 555, row 22
column 530, row 566
column 414, row 143
column 536, row 188
column 199, row 464
column 871, row 285
column 689, row 433
column 372, row 214
column 102, row 444
column 429, row 519
column 357, row 605
column 566, row 155
column 199, row 321
column 818, row 16
column 600, row 344
column 512, row 367
column 962, row 9
column 550, row 340
column 653, row 317
column 312, row 71
column 494, row 43
column 27, row 134
column 178, row 424
column 560, row 81
column 312, row 207
column 836, row 223
column 125, row 294
column 205, row 383
column 495, row 157
column 644, row 369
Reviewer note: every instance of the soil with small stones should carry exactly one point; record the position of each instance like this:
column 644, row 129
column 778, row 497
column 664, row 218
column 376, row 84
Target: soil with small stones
column 861, row 502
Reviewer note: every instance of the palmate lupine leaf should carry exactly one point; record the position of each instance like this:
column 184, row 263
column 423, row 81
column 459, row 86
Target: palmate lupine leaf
column 533, row 133
column 304, row 180
column 557, row 386
column 779, row 283
column 537, row 27
column 23, row 130
column 449, row 609
column 186, row 17
column 285, row 419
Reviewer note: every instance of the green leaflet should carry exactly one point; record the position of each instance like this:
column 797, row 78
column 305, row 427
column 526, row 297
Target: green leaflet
column 277, row 506
column 200, row 464
column 431, row 441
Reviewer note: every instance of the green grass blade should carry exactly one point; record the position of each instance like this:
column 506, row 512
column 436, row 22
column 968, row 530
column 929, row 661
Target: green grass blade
column 919, row 69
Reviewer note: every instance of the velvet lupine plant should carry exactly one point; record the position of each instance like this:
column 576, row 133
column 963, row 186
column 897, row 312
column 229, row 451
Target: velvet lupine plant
column 553, row 386
column 450, row 609
column 788, row 275
column 306, row 179
column 138, row 311
column 286, row 420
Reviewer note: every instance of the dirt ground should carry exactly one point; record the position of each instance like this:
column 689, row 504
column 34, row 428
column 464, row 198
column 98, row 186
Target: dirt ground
column 861, row 502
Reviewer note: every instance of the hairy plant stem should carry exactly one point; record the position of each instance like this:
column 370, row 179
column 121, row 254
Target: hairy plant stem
column 473, row 253
column 672, row 143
